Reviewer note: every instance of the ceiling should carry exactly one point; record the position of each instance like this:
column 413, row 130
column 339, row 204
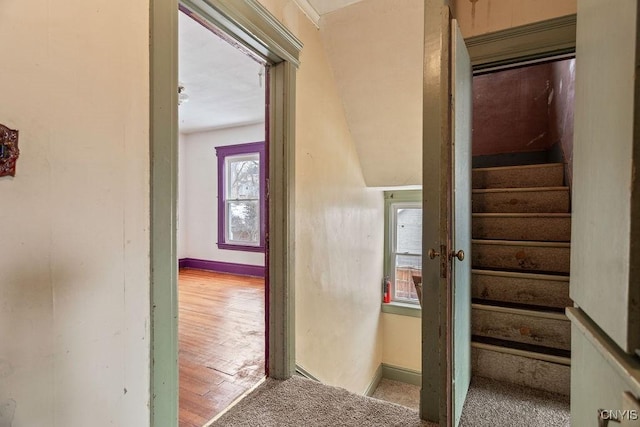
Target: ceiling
column 326, row 6
column 223, row 83
column 379, row 77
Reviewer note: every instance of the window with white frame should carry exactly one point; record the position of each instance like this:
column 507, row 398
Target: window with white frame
column 241, row 197
column 404, row 243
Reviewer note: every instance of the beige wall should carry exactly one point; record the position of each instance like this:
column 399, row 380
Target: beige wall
column 339, row 226
column 402, row 338
column 486, row 16
column 74, row 259
column 380, row 83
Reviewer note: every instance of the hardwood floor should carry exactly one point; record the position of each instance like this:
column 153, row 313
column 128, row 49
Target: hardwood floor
column 221, row 336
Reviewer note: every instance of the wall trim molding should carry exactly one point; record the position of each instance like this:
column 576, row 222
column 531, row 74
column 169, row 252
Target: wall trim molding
column 222, row 267
column 251, row 24
column 375, row 382
column 555, row 36
column 304, row 373
column 309, row 11
column 405, row 375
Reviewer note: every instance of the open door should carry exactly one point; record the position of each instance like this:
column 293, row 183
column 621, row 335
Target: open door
column 446, row 314
column 460, row 287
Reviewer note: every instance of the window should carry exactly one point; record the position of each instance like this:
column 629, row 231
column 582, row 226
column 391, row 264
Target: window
column 241, row 197
column 403, row 248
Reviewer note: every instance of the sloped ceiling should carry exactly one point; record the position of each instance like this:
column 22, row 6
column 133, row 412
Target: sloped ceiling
column 375, row 49
column 327, row 6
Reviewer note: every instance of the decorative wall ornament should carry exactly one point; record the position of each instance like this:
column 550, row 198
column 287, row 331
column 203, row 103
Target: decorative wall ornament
column 8, row 151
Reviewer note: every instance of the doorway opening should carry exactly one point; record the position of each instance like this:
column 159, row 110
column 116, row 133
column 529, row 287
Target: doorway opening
column 221, row 223
column 253, row 28
column 521, row 224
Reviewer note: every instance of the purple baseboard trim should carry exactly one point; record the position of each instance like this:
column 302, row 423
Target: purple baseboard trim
column 222, row 267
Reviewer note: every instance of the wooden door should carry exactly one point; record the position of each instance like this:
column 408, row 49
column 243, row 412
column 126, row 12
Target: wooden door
column 460, row 286
column 446, row 366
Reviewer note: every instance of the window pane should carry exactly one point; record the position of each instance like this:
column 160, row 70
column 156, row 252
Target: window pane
column 409, row 230
column 406, row 267
column 243, row 222
column 243, row 177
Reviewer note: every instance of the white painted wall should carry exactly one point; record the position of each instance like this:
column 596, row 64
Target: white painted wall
column 182, row 197
column 485, row 16
column 74, row 258
column 198, row 206
column 339, row 228
column 375, row 51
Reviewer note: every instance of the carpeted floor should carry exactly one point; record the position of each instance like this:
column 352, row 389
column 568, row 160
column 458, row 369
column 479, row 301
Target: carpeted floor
column 493, row 403
column 398, row 392
column 299, row 402
column 302, row 402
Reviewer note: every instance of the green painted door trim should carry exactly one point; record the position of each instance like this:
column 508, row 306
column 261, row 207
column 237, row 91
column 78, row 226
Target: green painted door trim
column 436, row 173
column 528, row 42
column 253, row 26
column 163, row 192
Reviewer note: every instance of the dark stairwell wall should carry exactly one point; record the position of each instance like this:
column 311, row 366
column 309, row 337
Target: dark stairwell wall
column 524, row 115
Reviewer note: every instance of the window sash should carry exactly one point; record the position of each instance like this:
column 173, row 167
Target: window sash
column 229, row 239
column 229, row 196
column 402, row 285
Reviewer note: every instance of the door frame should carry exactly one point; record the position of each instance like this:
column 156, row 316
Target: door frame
column 534, row 41
column 251, row 25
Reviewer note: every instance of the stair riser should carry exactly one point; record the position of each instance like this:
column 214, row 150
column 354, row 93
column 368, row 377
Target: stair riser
column 521, row 258
column 521, row 370
column 514, row 228
column 524, row 329
column 543, row 293
column 556, row 201
column 523, row 178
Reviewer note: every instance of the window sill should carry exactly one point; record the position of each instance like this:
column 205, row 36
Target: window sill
column 232, row 247
column 402, row 309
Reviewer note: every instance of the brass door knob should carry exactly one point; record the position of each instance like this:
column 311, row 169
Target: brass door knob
column 433, row 253
column 459, row 255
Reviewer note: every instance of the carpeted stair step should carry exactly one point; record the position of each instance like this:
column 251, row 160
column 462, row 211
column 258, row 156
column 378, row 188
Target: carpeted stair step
column 521, row 200
column 528, row 368
column 554, row 227
column 548, row 257
column 542, row 175
column 533, row 327
column 544, row 290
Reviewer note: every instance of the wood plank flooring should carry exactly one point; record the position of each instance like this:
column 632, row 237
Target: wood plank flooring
column 221, row 336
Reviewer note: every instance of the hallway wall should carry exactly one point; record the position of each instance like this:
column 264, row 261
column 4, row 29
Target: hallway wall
column 339, row 228
column 74, row 259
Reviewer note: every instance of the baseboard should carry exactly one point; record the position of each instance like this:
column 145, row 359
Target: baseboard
column 222, row 267
column 373, row 385
column 304, row 373
column 396, row 373
column 389, row 372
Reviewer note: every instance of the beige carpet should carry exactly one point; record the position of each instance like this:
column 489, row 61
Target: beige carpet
column 302, row 402
column 299, row 402
column 496, row 404
column 398, row 392
column 491, row 403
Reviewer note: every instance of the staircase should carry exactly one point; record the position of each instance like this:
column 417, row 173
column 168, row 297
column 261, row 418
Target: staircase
column 520, row 278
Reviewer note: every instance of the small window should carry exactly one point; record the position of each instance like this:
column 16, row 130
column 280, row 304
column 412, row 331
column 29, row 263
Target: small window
column 404, row 243
column 241, row 201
